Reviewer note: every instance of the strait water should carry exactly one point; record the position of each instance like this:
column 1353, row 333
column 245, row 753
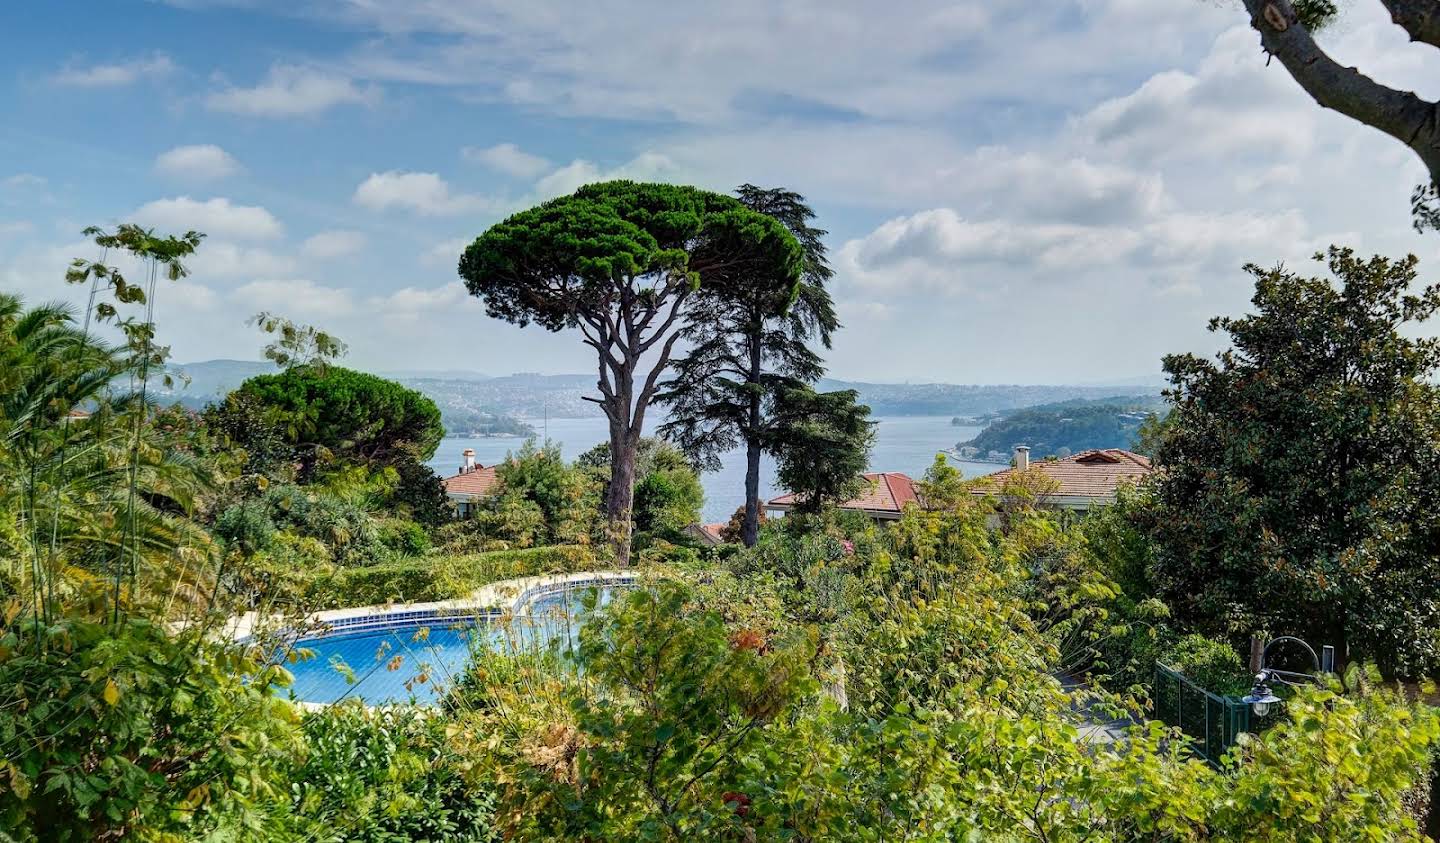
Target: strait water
column 902, row 443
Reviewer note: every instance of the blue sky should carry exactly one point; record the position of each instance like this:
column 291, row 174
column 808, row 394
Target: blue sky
column 1013, row 194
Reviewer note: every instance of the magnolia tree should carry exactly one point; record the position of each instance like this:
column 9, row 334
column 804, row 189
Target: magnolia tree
column 619, row 261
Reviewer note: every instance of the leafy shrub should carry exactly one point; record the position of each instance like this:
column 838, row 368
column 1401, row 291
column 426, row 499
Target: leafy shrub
column 442, row 577
column 384, row 775
column 1213, row 665
column 350, row 533
column 404, row 538
column 145, row 734
column 246, row 526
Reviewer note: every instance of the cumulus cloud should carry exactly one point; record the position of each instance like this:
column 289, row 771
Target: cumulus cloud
column 297, row 297
column 199, row 162
column 216, row 217
column 218, row 259
column 333, row 244
column 292, row 91
column 115, row 75
column 424, row 193
column 507, row 158
column 648, row 166
column 446, row 252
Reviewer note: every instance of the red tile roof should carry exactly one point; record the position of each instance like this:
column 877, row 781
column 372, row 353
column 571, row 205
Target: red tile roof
column 1089, row 474
column 478, row 482
column 887, row 491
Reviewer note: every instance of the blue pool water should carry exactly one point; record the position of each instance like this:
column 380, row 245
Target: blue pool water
column 419, row 659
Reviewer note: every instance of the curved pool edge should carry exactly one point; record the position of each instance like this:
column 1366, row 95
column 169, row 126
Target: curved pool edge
column 505, row 596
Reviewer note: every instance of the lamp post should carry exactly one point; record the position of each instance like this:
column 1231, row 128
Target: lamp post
column 1261, row 698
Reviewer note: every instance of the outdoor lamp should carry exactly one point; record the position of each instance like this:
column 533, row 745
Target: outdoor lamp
column 1261, row 698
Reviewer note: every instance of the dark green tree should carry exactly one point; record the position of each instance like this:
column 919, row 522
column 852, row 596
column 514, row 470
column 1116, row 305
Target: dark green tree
column 822, row 444
column 351, row 416
column 749, row 341
column 1300, row 470
column 619, row 261
column 668, row 494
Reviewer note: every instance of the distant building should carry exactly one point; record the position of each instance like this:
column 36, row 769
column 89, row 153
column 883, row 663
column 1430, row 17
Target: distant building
column 708, row 535
column 472, row 483
column 883, row 497
column 1082, row 481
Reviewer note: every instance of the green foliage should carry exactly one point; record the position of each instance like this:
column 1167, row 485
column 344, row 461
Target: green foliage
column 822, row 443
column 124, row 729
column 1067, row 427
column 420, row 494
column 540, row 501
column 349, row 416
column 432, row 578
column 404, row 538
column 668, row 494
column 344, row 527
column 749, row 339
column 1213, row 665
column 298, row 345
column 246, row 526
column 386, row 776
column 246, row 422
column 1299, row 468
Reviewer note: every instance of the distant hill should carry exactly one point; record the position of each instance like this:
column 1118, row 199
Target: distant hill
column 1066, row 427
column 975, row 401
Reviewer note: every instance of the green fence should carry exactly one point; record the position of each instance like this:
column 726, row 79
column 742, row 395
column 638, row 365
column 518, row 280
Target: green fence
column 1212, row 721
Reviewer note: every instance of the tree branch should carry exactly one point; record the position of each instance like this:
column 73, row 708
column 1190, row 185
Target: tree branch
column 1420, row 18
column 1400, row 114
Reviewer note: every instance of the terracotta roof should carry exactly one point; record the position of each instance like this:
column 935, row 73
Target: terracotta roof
column 887, row 491
column 1088, row 474
column 478, row 482
column 709, row 534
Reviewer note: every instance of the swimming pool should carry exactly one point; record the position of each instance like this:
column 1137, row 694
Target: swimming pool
column 418, row 655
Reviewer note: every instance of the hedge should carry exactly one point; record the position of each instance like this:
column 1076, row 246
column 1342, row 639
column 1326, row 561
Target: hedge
column 430, row 578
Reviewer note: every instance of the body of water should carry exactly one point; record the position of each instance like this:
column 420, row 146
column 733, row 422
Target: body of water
column 902, row 443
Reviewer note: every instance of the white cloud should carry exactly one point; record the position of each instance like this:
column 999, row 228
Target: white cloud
column 214, row 217
column 421, row 304
column 333, row 244
column 445, row 253
column 425, row 193
column 199, row 162
column 506, row 158
column 217, row 259
column 648, row 166
column 115, row 75
column 291, row 91
column 299, row 297
column 15, row 228
column 20, row 180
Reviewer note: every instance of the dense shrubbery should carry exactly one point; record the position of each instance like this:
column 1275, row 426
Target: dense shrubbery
column 441, row 577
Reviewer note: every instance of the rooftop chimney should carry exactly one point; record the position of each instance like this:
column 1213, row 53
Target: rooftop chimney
column 469, row 456
column 1022, row 457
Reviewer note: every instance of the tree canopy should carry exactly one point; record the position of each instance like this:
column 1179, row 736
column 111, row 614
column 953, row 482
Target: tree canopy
column 352, row 415
column 1301, row 468
column 749, row 341
column 822, row 441
column 618, row 261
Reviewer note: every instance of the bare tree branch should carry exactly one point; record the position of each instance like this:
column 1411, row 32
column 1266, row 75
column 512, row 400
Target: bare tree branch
column 1420, row 18
column 1400, row 114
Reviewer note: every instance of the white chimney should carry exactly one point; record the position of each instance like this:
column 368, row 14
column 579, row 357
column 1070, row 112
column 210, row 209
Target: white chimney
column 1022, row 457
column 469, row 456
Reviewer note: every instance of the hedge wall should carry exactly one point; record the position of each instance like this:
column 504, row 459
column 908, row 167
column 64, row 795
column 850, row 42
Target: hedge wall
column 430, row 578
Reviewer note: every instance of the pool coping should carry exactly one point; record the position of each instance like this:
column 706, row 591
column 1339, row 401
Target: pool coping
column 496, row 599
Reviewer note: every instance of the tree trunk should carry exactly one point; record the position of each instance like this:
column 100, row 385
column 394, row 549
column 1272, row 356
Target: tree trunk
column 750, row 530
column 621, row 500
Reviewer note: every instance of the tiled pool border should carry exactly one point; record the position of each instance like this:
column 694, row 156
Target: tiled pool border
column 486, row 603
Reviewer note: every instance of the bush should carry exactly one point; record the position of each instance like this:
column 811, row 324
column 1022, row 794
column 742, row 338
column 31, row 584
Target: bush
column 442, row 577
column 246, row 527
column 1213, row 665
column 342, row 526
column 384, row 775
column 404, row 538
column 146, row 735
